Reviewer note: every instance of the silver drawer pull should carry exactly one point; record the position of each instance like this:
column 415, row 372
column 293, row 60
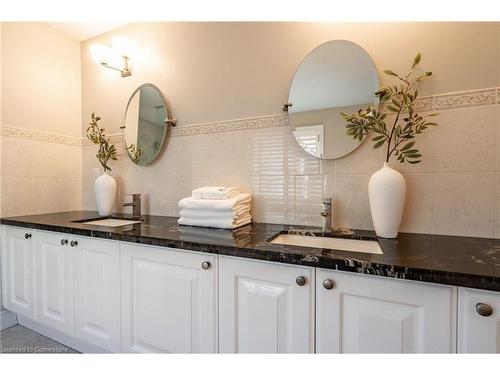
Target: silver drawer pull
column 484, row 309
column 328, row 284
column 205, row 265
column 300, row 280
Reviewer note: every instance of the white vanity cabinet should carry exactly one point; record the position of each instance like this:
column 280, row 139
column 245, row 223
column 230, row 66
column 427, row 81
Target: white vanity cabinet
column 478, row 321
column 54, row 281
column 17, row 270
column 97, row 291
column 368, row 314
column 105, row 295
column 265, row 307
column 168, row 300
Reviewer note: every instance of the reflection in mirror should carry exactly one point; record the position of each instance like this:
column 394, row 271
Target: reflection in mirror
column 145, row 128
column 338, row 76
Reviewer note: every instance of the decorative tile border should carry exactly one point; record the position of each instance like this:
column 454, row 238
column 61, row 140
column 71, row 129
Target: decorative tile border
column 231, row 125
column 464, row 99
column 35, row 135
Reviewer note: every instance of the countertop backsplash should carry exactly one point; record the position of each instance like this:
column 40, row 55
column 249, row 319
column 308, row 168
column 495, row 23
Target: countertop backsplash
column 454, row 191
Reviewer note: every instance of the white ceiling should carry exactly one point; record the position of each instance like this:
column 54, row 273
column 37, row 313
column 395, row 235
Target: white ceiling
column 85, row 30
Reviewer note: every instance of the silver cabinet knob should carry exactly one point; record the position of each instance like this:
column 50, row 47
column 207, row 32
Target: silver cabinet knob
column 64, row 241
column 328, row 284
column 300, row 280
column 484, row 309
column 27, row 235
column 205, row 265
column 73, row 243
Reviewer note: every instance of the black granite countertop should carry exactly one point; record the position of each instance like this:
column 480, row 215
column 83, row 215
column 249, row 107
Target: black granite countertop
column 462, row 261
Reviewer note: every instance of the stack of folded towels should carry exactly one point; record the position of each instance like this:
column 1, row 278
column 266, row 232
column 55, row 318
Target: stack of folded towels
column 216, row 207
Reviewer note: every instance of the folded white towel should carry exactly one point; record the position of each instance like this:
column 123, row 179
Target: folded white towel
column 215, row 192
column 231, row 204
column 212, row 214
column 216, row 223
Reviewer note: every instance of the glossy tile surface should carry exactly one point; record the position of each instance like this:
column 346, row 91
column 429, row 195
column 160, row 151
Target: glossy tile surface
column 456, row 178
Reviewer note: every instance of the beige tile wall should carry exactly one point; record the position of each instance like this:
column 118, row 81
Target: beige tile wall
column 222, row 71
column 39, row 177
column 455, row 190
column 40, row 86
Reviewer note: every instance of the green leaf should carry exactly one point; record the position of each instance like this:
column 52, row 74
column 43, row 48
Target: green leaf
column 414, row 161
column 409, row 152
column 378, row 138
column 408, row 146
column 416, row 60
column 390, row 73
column 396, row 103
column 392, row 108
column 413, row 156
column 379, row 143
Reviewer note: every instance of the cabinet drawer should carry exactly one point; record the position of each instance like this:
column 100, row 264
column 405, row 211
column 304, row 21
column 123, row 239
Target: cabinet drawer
column 369, row 314
column 168, row 300
column 263, row 309
column 478, row 321
column 97, row 292
column 17, row 262
column 54, row 281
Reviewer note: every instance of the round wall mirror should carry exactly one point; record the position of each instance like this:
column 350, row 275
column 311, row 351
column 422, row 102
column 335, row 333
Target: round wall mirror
column 146, row 124
column 338, row 76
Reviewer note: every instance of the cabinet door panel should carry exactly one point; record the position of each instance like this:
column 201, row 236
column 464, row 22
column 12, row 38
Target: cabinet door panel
column 263, row 310
column 97, row 292
column 54, row 286
column 17, row 271
column 369, row 314
column 168, row 301
column 477, row 333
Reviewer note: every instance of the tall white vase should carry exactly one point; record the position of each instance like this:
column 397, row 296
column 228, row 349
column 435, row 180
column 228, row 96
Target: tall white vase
column 105, row 194
column 387, row 190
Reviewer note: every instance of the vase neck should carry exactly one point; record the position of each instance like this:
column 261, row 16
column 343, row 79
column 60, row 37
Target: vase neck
column 386, row 164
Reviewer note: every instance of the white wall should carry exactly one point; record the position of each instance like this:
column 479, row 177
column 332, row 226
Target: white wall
column 222, row 71
column 41, row 104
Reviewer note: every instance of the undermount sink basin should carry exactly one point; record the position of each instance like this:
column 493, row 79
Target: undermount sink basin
column 333, row 243
column 111, row 222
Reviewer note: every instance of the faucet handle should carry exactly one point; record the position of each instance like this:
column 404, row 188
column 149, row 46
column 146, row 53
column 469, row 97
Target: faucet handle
column 326, row 200
column 134, row 195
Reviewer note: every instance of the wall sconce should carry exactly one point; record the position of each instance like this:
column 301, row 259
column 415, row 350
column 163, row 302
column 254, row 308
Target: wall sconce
column 117, row 57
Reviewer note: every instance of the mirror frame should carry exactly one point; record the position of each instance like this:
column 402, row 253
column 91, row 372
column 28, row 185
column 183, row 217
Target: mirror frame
column 165, row 131
column 287, row 105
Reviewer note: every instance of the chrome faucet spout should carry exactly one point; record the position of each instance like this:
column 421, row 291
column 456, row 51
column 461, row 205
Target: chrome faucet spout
column 326, row 214
column 135, row 204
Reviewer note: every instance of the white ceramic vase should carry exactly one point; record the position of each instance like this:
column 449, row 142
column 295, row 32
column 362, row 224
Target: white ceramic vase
column 105, row 194
column 387, row 190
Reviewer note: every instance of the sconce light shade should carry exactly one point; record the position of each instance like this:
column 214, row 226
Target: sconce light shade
column 117, row 57
column 124, row 46
column 99, row 52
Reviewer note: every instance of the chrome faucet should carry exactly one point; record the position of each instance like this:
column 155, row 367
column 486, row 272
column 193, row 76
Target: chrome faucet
column 135, row 204
column 326, row 214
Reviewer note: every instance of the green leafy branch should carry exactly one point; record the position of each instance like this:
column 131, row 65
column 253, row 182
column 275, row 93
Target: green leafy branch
column 399, row 100
column 135, row 152
column 106, row 150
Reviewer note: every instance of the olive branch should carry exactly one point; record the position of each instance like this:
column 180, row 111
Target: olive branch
column 400, row 100
column 96, row 135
